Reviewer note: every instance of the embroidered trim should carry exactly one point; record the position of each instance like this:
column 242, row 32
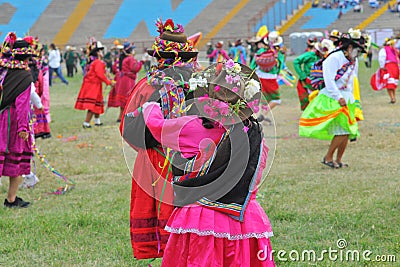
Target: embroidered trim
column 180, row 230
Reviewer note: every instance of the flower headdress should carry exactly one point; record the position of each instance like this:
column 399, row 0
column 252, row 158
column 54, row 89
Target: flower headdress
column 227, row 92
column 14, row 52
column 355, row 37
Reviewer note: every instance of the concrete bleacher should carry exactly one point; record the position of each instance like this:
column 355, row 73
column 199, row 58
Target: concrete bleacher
column 20, row 15
column 134, row 19
column 387, row 20
column 52, row 19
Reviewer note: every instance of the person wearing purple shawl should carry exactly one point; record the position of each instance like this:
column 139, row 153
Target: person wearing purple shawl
column 15, row 135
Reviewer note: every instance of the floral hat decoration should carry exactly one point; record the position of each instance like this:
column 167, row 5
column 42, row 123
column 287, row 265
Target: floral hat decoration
column 172, row 45
column 355, row 37
column 14, row 51
column 226, row 92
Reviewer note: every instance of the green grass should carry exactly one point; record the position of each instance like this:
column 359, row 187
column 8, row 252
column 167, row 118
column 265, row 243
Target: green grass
column 309, row 205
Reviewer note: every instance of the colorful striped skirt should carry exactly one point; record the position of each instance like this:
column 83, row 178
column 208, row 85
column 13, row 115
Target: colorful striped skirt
column 324, row 118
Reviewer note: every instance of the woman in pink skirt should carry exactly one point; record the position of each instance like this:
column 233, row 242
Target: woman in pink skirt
column 218, row 156
column 15, row 141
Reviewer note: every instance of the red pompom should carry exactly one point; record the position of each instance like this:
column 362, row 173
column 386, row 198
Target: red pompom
column 29, row 39
column 170, row 23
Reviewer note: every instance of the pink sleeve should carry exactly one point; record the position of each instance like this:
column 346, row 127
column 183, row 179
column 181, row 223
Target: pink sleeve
column 224, row 54
column 214, row 52
column 22, row 107
column 178, row 134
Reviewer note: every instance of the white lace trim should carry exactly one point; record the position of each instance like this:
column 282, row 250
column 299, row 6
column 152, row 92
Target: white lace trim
column 219, row 235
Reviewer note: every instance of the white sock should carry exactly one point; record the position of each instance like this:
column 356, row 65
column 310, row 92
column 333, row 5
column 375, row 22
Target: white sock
column 97, row 120
column 86, row 123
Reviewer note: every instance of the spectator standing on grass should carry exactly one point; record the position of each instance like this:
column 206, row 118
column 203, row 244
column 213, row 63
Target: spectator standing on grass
column 332, row 114
column 15, row 135
column 388, row 58
column 90, row 96
column 55, row 64
column 69, row 57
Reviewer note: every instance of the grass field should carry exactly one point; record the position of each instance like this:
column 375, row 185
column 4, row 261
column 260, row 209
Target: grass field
column 310, row 206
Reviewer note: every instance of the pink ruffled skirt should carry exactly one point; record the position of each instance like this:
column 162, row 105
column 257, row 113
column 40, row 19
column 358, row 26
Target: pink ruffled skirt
column 204, row 237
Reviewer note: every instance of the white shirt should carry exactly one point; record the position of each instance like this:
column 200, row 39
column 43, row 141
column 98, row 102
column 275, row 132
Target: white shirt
column 35, row 99
column 382, row 57
column 330, row 66
column 54, row 59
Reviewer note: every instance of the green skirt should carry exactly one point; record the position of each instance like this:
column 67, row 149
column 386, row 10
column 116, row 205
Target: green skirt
column 324, row 118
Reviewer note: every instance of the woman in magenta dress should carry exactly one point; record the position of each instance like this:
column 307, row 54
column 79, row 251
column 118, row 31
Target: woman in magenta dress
column 219, row 155
column 41, row 125
column 128, row 69
column 15, row 141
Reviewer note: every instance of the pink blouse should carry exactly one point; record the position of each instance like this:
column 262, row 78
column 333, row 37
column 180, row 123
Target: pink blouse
column 185, row 134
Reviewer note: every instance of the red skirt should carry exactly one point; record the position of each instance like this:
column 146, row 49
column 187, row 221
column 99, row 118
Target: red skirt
column 121, row 91
column 393, row 70
column 302, row 92
column 90, row 98
column 149, row 212
column 270, row 89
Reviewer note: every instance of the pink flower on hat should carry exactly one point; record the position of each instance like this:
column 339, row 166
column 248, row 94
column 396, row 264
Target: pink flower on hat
column 229, row 79
column 254, row 106
column 230, row 64
column 222, row 107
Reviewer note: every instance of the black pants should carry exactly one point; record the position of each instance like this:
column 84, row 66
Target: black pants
column 70, row 70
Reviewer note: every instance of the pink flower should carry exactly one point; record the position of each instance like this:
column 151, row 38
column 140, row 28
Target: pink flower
column 229, row 79
column 236, row 79
column 245, row 129
column 230, row 64
column 207, row 109
column 180, row 28
column 223, row 108
column 254, row 106
column 235, row 89
column 265, row 107
column 217, row 88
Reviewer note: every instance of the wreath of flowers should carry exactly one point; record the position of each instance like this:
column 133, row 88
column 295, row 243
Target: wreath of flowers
column 216, row 107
